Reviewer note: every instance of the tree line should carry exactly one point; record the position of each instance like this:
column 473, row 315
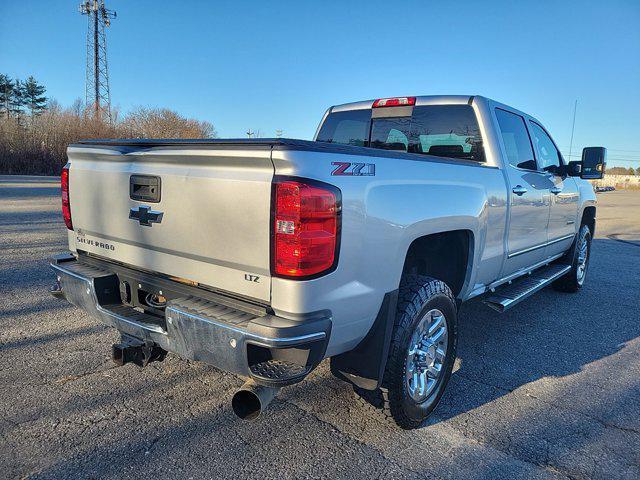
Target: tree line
column 623, row 171
column 35, row 130
column 17, row 95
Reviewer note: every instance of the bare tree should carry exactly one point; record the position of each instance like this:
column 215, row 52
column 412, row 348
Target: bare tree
column 40, row 147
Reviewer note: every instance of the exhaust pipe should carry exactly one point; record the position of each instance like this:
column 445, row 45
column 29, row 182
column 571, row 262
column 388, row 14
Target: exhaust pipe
column 252, row 399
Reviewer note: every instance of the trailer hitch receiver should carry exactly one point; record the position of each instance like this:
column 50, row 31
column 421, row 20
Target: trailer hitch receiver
column 132, row 350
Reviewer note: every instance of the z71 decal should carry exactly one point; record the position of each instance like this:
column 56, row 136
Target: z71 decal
column 353, row 169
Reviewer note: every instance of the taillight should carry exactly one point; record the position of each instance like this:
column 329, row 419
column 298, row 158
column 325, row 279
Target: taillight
column 306, row 228
column 394, row 102
column 66, row 202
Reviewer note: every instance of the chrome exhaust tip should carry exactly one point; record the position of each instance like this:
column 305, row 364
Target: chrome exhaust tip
column 252, row 399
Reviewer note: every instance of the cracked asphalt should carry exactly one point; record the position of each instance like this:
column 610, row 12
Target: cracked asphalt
column 551, row 389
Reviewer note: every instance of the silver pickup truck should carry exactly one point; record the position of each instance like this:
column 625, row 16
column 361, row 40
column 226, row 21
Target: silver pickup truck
column 263, row 257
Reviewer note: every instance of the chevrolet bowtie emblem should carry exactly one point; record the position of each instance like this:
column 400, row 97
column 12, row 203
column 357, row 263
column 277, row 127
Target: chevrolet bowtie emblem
column 145, row 215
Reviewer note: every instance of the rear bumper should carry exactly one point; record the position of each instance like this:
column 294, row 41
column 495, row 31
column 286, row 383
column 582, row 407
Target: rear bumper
column 274, row 351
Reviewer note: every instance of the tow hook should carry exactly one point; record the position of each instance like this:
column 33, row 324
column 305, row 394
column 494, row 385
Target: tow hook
column 132, row 350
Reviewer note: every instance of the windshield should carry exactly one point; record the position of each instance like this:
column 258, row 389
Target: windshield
column 443, row 130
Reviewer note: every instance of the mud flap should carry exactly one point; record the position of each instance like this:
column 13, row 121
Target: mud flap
column 364, row 365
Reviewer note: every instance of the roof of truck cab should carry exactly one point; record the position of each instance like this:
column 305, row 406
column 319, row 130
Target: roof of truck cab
column 420, row 100
column 423, row 100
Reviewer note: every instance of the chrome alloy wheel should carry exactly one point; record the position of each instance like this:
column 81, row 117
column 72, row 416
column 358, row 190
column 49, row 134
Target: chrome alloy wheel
column 426, row 355
column 583, row 253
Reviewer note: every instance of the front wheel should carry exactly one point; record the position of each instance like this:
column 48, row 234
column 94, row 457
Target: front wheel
column 579, row 257
column 421, row 354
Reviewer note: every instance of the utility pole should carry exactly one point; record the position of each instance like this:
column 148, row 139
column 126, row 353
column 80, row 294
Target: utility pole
column 250, row 133
column 97, row 76
column 573, row 127
column 279, row 133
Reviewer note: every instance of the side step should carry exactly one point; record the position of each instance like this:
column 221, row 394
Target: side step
column 506, row 297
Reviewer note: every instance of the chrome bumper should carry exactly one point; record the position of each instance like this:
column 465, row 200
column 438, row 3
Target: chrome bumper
column 266, row 348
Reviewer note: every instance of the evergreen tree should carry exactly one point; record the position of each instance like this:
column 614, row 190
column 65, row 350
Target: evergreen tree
column 6, row 94
column 33, row 97
column 12, row 96
column 17, row 100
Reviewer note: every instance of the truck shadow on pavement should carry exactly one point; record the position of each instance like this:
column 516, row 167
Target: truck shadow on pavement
column 552, row 334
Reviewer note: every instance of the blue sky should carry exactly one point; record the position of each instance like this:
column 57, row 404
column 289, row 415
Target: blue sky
column 280, row 64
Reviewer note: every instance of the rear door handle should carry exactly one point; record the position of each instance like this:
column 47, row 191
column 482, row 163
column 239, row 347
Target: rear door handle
column 519, row 190
column 556, row 190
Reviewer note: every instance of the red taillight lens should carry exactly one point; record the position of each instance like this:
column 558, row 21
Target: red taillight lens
column 394, row 102
column 66, row 203
column 306, row 228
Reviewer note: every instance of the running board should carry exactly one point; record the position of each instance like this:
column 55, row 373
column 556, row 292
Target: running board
column 506, row 297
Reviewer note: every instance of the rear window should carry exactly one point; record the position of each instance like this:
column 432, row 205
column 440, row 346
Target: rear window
column 347, row 128
column 443, row 130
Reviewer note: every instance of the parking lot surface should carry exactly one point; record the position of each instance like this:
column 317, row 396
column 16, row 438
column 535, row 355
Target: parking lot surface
column 550, row 389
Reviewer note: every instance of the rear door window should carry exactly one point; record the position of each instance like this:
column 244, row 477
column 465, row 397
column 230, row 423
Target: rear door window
column 516, row 140
column 347, row 128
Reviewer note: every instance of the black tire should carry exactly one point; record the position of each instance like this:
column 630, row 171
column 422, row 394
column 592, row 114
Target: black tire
column 573, row 280
column 418, row 295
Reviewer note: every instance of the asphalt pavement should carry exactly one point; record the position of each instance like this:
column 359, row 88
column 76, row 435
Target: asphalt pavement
column 550, row 389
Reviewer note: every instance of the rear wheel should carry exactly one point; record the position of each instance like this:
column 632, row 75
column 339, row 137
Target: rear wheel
column 579, row 257
column 421, row 355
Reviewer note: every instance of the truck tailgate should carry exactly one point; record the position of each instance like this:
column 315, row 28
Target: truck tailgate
column 215, row 206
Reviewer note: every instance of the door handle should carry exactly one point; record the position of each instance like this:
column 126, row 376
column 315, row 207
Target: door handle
column 556, row 190
column 519, row 190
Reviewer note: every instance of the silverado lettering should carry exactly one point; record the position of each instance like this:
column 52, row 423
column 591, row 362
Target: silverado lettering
column 94, row 243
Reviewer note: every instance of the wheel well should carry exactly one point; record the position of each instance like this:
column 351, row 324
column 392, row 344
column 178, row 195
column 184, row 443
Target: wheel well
column 589, row 219
column 444, row 256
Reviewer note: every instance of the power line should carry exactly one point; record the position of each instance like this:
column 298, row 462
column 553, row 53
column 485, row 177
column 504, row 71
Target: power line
column 615, row 159
column 611, row 149
column 624, row 159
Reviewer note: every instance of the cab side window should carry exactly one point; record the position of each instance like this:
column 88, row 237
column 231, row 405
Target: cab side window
column 548, row 155
column 516, row 140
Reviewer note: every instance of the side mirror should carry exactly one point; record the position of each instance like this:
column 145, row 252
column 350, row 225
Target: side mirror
column 594, row 161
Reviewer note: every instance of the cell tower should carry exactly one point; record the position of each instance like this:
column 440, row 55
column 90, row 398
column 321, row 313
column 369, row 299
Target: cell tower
column 97, row 81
